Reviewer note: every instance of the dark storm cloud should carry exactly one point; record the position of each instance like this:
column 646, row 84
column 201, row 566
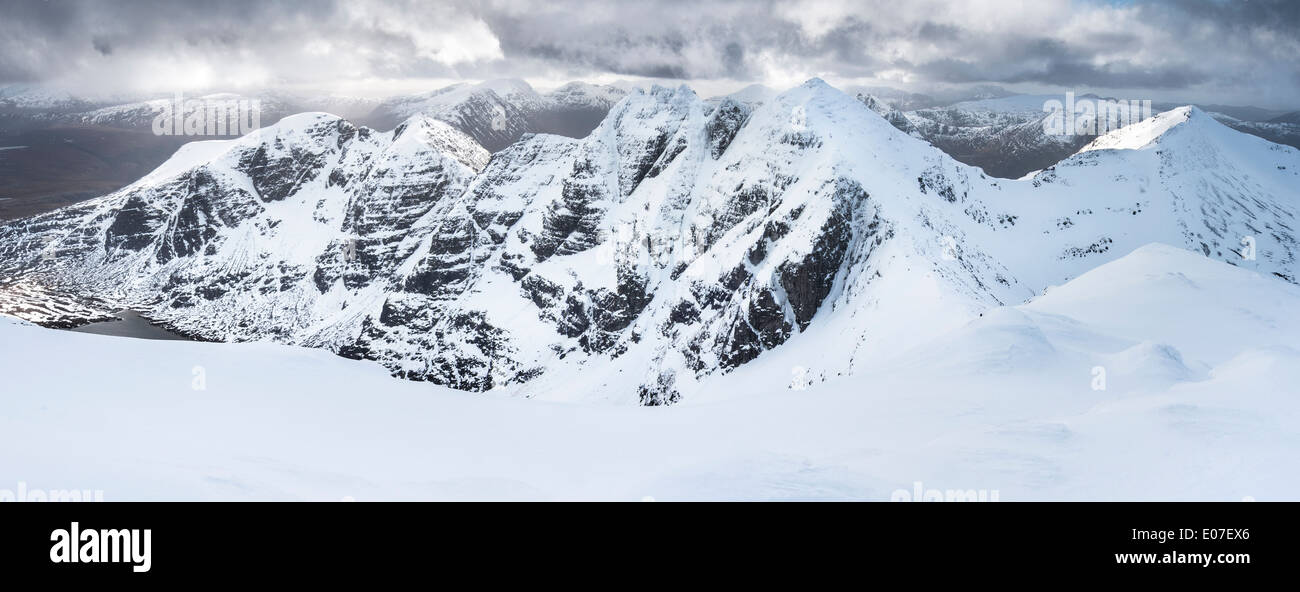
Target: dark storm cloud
column 1247, row 47
column 1280, row 15
column 1119, row 74
column 682, row 40
column 1050, row 61
column 102, row 46
column 48, row 38
column 630, row 47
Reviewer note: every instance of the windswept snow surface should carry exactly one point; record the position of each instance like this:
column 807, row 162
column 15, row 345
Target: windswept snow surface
column 1144, row 133
column 1202, row 375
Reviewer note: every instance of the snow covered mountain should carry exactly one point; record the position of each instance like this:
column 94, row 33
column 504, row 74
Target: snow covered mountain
column 1282, row 130
column 139, row 114
column 34, row 97
column 1292, row 118
column 279, row 216
column 497, row 112
column 273, row 106
column 573, row 110
column 1005, row 135
column 73, row 149
column 651, row 261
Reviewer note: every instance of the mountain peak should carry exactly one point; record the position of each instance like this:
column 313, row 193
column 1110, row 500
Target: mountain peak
column 752, row 95
column 421, row 131
column 586, row 93
column 659, row 90
column 1150, row 131
column 816, row 82
column 507, row 87
column 833, row 102
column 649, row 99
column 307, row 119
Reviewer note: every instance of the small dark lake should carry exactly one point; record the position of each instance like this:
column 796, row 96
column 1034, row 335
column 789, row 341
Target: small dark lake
column 131, row 325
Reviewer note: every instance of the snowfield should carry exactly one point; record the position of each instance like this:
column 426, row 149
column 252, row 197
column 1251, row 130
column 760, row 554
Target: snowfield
column 1199, row 360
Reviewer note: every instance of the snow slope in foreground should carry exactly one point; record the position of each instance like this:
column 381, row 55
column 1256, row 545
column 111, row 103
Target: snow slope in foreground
column 1202, row 372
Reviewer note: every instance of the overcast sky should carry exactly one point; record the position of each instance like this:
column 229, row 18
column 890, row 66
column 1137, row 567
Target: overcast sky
column 1206, row 51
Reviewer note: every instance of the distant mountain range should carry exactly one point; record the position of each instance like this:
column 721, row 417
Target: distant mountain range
column 1006, row 137
column 67, row 148
column 497, row 113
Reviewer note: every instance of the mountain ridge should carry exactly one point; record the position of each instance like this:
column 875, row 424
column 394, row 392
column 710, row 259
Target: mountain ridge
column 680, row 241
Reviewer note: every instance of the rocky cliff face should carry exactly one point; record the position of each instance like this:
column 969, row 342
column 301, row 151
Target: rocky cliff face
column 274, row 235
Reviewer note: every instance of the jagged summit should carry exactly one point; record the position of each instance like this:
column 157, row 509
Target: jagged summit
column 497, row 113
column 584, row 94
column 817, row 82
column 679, row 93
column 422, row 132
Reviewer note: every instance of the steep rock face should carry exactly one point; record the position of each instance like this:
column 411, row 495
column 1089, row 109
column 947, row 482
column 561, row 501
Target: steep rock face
column 724, row 122
column 424, row 331
column 277, row 235
column 682, row 240
column 895, row 117
column 649, row 258
column 679, row 240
